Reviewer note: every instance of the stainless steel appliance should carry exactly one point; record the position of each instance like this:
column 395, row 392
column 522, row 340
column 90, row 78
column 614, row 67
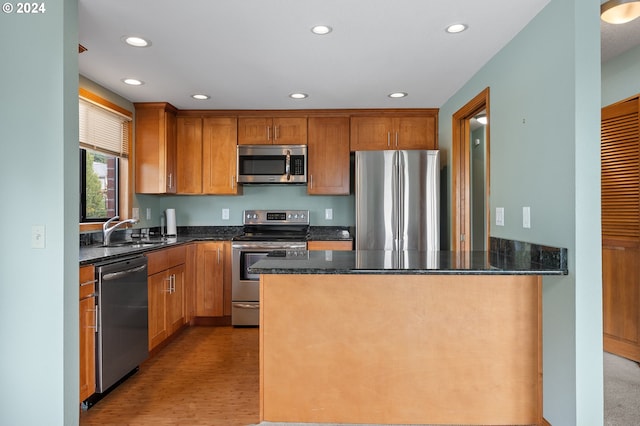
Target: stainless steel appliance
column 397, row 200
column 122, row 338
column 266, row 232
column 272, row 163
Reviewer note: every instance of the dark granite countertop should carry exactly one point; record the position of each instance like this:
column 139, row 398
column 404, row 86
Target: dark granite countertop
column 91, row 250
column 505, row 258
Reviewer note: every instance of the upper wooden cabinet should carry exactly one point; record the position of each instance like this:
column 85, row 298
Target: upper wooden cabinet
column 328, row 156
column 155, row 148
column 206, row 155
column 393, row 132
column 272, row 130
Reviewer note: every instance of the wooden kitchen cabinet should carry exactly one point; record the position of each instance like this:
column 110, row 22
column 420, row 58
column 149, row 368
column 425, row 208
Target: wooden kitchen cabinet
column 328, row 156
column 166, row 290
column 206, row 155
column 87, row 332
column 210, row 288
column 272, row 131
column 155, row 148
column 189, row 155
column 330, row 245
column 393, row 132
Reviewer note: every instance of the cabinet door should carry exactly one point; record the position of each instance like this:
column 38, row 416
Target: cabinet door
column 158, row 286
column 155, row 148
column 210, row 280
column 415, row 132
column 219, row 139
column 328, row 156
column 189, row 155
column 371, row 133
column 175, row 309
column 87, row 307
column 290, row 131
column 254, row 131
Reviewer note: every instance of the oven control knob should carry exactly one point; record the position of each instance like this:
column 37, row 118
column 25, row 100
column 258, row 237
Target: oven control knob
column 301, row 215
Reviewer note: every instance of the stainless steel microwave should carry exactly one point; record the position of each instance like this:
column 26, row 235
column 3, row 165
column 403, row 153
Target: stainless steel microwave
column 272, row 164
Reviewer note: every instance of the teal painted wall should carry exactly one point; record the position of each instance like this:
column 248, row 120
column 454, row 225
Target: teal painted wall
column 207, row 210
column 39, row 149
column 620, row 77
column 544, row 153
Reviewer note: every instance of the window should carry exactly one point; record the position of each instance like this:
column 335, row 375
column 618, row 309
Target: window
column 104, row 150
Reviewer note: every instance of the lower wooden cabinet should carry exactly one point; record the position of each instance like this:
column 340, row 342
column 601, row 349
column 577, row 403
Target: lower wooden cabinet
column 210, row 278
column 166, row 290
column 330, row 245
column 87, row 332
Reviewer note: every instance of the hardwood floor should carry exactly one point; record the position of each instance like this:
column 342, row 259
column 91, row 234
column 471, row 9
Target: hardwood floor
column 206, row 376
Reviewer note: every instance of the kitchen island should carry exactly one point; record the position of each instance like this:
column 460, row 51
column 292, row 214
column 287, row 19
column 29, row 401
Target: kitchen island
column 423, row 338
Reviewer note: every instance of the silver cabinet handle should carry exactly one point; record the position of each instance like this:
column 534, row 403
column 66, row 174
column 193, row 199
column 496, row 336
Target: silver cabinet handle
column 268, row 133
column 388, row 139
column 170, row 180
column 396, row 139
column 218, row 255
column 275, row 133
column 311, row 181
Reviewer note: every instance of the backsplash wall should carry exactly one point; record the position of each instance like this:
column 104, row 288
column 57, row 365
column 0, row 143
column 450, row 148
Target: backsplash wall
column 206, row 210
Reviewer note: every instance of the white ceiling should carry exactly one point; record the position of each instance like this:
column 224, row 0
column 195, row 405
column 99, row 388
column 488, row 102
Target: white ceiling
column 251, row 54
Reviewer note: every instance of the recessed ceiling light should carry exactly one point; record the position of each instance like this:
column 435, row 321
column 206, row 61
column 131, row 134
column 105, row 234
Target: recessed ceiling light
column 132, row 81
column 136, row 41
column 298, row 95
column 200, row 97
column 321, row 29
column 397, row 95
column 456, row 28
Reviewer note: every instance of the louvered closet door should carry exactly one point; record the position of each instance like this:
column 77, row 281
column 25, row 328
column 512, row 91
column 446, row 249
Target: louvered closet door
column 620, row 145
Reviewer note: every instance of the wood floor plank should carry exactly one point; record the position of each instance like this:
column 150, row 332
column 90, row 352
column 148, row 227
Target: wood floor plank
column 206, row 376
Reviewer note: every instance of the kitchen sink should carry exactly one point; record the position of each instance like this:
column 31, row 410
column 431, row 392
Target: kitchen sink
column 133, row 244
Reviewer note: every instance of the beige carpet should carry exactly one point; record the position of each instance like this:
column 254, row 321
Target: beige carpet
column 621, row 391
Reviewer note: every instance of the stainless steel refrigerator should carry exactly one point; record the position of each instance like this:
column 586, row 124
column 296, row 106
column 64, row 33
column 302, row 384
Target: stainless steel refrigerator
column 398, row 200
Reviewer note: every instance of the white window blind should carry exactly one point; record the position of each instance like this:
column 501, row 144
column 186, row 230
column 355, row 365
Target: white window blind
column 103, row 130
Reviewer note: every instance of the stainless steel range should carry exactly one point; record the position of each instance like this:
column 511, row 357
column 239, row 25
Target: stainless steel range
column 265, row 232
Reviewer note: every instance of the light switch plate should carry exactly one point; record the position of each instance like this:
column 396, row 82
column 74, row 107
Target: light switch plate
column 328, row 214
column 225, row 214
column 148, row 213
column 500, row 216
column 37, row 236
column 135, row 213
column 526, row 217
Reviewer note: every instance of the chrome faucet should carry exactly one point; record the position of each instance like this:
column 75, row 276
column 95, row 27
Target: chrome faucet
column 107, row 231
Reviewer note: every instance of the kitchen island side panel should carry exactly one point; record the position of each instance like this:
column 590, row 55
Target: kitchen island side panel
column 398, row 349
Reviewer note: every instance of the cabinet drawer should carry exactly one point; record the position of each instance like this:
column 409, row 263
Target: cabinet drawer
column 166, row 258
column 87, row 282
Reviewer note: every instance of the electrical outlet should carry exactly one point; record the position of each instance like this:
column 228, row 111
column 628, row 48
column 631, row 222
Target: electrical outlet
column 328, row 214
column 500, row 216
column 37, row 236
column 148, row 213
column 526, row 217
column 135, row 213
column 225, row 214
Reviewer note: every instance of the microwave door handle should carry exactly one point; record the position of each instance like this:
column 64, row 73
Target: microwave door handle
column 287, row 166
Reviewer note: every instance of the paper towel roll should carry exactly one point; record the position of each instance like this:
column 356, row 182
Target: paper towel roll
column 171, row 222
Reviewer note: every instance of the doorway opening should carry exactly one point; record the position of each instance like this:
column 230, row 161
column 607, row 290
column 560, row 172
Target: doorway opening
column 470, row 174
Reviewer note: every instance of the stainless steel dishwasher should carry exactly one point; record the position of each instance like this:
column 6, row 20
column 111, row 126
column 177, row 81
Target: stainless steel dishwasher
column 123, row 323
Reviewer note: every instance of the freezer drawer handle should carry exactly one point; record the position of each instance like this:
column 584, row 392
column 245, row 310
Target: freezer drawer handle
column 245, row 306
column 115, row 275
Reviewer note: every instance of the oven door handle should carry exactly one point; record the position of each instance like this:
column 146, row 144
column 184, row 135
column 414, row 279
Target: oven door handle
column 245, row 306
